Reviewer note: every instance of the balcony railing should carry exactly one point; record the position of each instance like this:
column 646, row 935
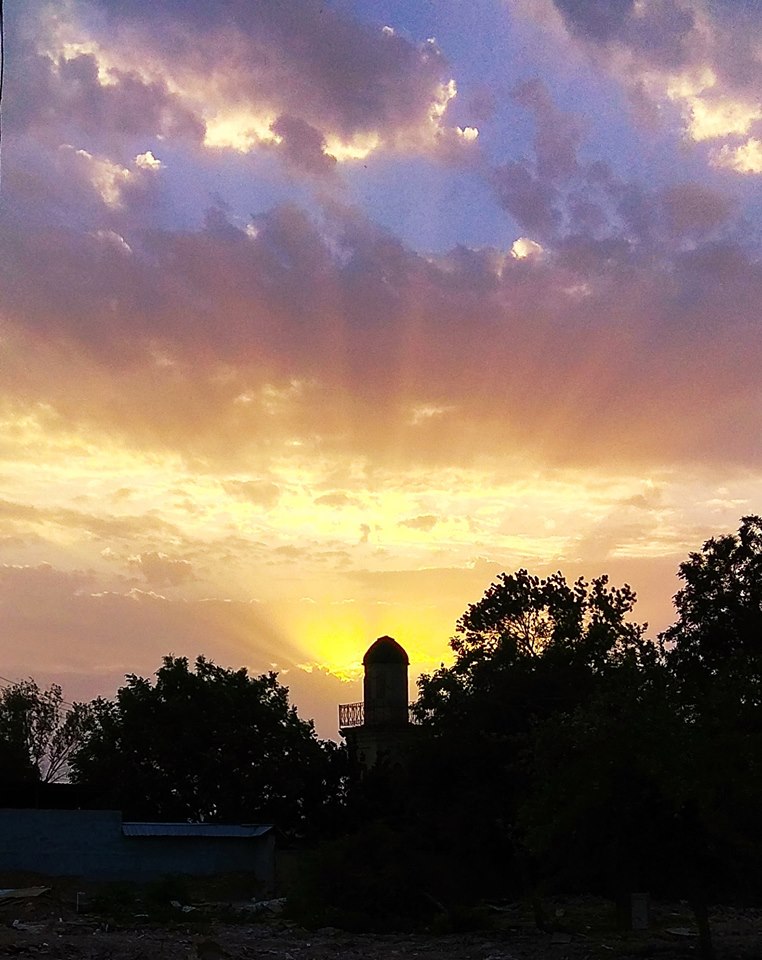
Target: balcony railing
column 353, row 715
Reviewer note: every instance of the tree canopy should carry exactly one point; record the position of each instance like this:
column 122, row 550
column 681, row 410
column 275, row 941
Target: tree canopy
column 716, row 639
column 38, row 734
column 530, row 647
column 207, row 743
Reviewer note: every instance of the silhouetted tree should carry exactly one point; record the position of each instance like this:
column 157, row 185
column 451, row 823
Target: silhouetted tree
column 527, row 655
column 598, row 807
column 37, row 733
column 529, row 648
column 714, row 662
column 208, row 743
column 716, row 642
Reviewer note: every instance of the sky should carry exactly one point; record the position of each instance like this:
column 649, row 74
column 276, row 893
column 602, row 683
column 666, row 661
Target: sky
column 315, row 315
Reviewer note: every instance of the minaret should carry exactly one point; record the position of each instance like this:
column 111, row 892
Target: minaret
column 385, row 684
column 377, row 730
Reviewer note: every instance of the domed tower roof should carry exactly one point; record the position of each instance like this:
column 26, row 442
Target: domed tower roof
column 385, row 650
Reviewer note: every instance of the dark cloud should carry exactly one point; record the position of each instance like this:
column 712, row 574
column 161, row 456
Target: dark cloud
column 64, row 99
column 303, row 146
column 673, row 36
column 557, row 134
column 693, row 210
column 588, row 201
column 600, row 19
column 662, row 29
column 531, row 201
column 531, row 191
column 317, row 70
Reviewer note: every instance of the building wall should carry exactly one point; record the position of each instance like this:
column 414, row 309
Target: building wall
column 90, row 844
column 385, row 747
column 385, row 694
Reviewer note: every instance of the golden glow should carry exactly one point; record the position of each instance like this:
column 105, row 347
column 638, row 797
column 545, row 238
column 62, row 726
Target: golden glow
column 469, row 134
column 357, row 148
column 147, row 161
column 713, row 119
column 684, row 86
column 524, row 248
column 312, row 558
column 108, row 179
column 240, row 130
column 744, row 159
column 445, row 93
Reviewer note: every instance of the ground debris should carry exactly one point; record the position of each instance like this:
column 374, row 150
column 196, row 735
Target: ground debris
column 584, row 928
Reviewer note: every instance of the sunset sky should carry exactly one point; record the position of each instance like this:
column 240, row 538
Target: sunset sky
column 315, row 316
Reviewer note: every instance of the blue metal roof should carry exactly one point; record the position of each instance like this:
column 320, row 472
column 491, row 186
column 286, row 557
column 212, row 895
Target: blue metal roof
column 241, row 830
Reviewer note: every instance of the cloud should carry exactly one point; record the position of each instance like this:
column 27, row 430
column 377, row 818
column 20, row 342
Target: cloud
column 148, row 161
column 68, row 89
column 263, row 493
column 531, row 201
column 24, row 516
column 694, row 210
column 746, row 158
column 298, row 77
column 664, row 28
column 27, row 583
column 426, row 522
column 233, row 342
column 697, row 57
column 289, row 552
column 524, row 248
column 162, row 571
column 232, row 349
column 587, row 200
column 63, row 620
column 557, row 134
column 303, row 146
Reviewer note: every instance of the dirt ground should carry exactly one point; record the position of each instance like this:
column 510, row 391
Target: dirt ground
column 66, row 922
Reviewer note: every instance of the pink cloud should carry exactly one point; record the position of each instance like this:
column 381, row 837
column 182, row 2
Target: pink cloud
column 525, row 353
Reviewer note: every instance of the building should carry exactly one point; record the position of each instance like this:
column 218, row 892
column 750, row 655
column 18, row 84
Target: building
column 377, row 730
column 98, row 845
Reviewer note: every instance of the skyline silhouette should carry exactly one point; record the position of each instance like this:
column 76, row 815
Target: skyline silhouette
column 317, row 316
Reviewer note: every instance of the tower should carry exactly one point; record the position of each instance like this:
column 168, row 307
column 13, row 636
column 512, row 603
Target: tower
column 377, row 730
column 385, row 684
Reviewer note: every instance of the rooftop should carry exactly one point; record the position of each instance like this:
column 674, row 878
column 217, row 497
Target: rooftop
column 385, row 650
